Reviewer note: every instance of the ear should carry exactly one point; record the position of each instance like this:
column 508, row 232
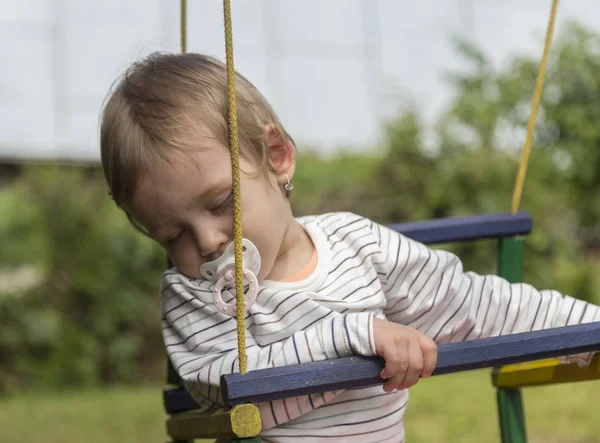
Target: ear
column 282, row 155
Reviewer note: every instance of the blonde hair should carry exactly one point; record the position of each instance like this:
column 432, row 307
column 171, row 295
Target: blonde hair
column 159, row 104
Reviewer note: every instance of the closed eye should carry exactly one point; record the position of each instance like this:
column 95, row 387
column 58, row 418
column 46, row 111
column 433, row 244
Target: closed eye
column 175, row 239
column 224, row 206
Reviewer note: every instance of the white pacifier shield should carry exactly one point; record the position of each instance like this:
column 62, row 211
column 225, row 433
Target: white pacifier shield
column 250, row 258
column 222, row 271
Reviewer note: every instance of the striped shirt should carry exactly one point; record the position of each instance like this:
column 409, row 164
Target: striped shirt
column 363, row 270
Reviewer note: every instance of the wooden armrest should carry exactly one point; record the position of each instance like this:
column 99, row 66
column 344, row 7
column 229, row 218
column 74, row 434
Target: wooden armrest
column 242, row 421
column 544, row 372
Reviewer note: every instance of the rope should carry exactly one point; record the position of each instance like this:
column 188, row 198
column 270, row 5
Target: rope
column 518, row 190
column 184, row 26
column 234, row 148
column 235, row 173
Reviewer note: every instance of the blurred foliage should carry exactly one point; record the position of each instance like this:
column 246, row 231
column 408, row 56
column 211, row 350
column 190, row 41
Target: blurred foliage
column 79, row 286
column 92, row 313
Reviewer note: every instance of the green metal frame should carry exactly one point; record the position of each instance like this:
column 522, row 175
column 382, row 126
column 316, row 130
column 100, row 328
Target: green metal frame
column 510, row 402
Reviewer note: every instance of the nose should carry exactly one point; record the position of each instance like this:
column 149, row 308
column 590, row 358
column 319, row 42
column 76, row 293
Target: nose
column 210, row 240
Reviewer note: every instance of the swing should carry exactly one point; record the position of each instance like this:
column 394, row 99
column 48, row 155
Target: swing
column 519, row 360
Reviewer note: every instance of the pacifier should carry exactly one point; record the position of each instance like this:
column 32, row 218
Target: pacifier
column 222, row 271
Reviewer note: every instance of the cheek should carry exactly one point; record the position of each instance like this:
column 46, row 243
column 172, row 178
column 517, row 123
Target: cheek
column 264, row 225
column 265, row 242
column 186, row 260
column 263, row 217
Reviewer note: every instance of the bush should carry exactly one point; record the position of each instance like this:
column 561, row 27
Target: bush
column 91, row 312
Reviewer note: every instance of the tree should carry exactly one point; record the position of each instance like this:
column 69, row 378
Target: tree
column 480, row 139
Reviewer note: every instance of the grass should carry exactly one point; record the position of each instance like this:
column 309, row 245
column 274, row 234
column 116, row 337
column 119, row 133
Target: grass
column 462, row 408
column 454, row 408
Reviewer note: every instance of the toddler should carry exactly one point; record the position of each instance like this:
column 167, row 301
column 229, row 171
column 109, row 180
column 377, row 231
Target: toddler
column 319, row 287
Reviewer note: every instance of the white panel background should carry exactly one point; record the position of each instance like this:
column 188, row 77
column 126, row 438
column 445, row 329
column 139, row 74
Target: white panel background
column 332, row 69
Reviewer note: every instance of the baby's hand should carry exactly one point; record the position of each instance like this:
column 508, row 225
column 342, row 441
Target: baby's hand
column 408, row 354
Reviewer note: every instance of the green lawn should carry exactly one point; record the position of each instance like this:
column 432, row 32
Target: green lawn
column 455, row 408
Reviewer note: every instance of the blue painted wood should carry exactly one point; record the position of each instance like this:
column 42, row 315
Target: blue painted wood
column 178, row 400
column 356, row 372
column 457, row 229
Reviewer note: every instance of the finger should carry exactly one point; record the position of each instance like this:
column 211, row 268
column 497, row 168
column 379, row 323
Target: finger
column 396, row 364
column 393, row 360
column 430, row 355
column 415, row 364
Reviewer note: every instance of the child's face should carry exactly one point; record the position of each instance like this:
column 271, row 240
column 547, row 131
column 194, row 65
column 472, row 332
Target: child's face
column 186, row 206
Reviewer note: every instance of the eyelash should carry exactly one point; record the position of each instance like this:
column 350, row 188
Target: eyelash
column 220, row 209
column 224, row 205
column 177, row 237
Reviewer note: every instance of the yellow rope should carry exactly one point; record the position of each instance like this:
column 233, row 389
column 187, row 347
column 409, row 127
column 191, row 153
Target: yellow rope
column 234, row 148
column 235, row 172
column 518, row 190
column 184, row 26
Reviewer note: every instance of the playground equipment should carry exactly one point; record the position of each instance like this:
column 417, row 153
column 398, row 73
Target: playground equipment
column 519, row 360
column 186, row 424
